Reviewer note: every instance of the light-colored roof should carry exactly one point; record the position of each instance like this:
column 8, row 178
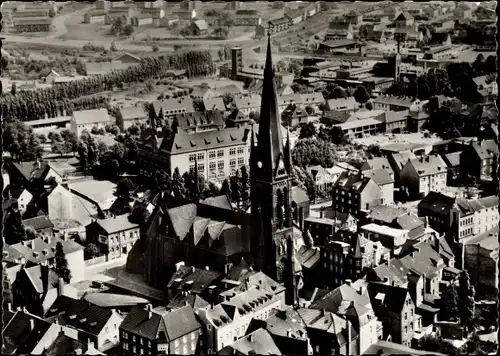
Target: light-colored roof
column 487, row 240
column 358, row 123
column 251, row 102
column 94, row 116
column 133, row 112
column 384, row 230
column 117, row 223
column 101, row 192
column 108, row 300
column 201, row 24
column 350, row 102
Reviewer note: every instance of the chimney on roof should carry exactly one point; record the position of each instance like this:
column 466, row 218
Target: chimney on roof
column 227, row 267
column 32, row 323
column 60, row 286
column 348, row 282
column 78, row 351
column 9, row 306
column 90, row 345
column 149, row 308
column 193, row 269
column 250, row 337
column 289, row 333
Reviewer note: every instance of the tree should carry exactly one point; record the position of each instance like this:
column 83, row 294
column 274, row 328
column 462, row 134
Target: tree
column 4, row 63
column 478, row 65
column 336, row 135
column 178, row 184
column 221, row 33
column 338, row 93
column 226, row 188
column 13, row 89
column 307, row 130
column 374, row 151
column 449, row 303
column 112, row 48
column 123, row 188
column 361, row 94
column 369, row 105
column 42, row 138
column 155, row 48
column 139, row 215
column 490, row 64
column 194, row 185
column 14, row 231
column 245, row 187
column 20, row 141
column 466, row 304
column 227, row 98
column 235, row 188
column 61, row 268
column 255, row 116
column 309, row 151
column 117, row 26
column 309, row 110
column 91, row 251
column 52, row 13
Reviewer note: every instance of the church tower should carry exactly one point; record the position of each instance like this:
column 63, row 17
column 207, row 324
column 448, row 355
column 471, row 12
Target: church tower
column 271, row 183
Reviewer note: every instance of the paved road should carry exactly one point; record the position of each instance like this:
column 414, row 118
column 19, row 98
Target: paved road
column 99, row 268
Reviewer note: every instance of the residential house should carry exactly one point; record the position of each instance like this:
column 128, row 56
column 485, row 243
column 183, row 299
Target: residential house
column 21, row 195
column 294, row 115
column 285, row 100
column 212, row 104
column 218, row 153
column 452, row 160
column 198, row 121
column 487, row 87
column 258, row 342
column 416, row 120
column 423, row 175
column 40, row 224
column 352, row 304
column 200, row 27
column 397, row 218
column 313, row 100
column 87, row 119
column 329, row 333
column 128, row 58
column 481, row 262
column 237, row 119
column 479, row 159
column 25, row 333
column 131, row 115
column 323, row 180
column 397, row 162
column 287, row 331
column 390, row 237
column 42, row 250
column 146, row 331
column 339, row 31
column 50, row 77
column 31, row 175
column 334, row 117
column 95, row 16
column 393, row 103
column 194, row 281
column 228, row 321
column 354, row 193
column 115, row 236
column 346, row 104
column 347, row 259
column 378, row 163
column 395, row 308
column 167, row 108
column 295, row 16
column 93, row 323
column 354, row 17
column 156, row 13
column 404, row 20
column 36, row 288
column 395, row 121
column 384, row 180
column 458, row 217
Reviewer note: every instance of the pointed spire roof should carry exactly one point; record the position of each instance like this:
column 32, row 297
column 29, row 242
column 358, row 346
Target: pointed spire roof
column 270, row 124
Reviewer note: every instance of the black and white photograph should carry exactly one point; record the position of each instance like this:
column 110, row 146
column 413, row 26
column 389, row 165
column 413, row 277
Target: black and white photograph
column 249, row 178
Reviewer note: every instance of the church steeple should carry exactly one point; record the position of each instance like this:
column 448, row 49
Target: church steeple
column 270, row 183
column 270, row 136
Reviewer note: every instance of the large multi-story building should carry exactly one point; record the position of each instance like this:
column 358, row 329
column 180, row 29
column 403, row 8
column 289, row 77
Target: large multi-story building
column 217, row 153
